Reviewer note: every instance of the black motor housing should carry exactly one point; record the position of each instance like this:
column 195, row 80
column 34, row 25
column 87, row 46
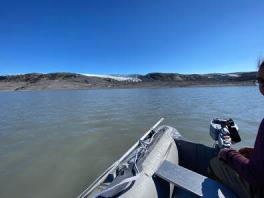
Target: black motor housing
column 233, row 131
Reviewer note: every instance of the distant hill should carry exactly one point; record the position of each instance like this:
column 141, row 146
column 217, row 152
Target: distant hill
column 53, row 81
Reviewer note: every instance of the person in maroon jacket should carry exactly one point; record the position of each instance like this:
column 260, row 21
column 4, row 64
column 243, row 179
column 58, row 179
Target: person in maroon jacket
column 243, row 170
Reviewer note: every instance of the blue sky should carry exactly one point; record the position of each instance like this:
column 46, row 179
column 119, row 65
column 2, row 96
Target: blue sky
column 128, row 37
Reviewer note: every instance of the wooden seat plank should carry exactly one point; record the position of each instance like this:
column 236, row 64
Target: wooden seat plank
column 192, row 181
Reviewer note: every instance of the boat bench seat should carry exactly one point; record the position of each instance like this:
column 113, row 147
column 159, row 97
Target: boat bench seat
column 193, row 182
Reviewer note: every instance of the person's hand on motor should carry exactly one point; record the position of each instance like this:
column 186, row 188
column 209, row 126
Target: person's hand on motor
column 246, row 152
column 222, row 153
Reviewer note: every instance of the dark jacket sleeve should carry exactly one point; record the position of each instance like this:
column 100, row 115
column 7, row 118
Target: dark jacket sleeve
column 251, row 169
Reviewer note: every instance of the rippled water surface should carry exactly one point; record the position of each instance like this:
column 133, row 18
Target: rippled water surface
column 54, row 143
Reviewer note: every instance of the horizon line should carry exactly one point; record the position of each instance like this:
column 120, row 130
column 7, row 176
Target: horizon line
column 125, row 74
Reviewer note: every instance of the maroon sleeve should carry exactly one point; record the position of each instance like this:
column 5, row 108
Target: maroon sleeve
column 251, row 169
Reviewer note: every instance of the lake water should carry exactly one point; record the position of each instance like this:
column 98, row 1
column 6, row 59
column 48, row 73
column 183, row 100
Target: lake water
column 55, row 143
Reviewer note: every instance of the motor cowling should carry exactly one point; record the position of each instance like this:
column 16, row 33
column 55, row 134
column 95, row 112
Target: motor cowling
column 224, row 132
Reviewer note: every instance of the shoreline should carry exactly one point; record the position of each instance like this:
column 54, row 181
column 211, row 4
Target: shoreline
column 245, row 84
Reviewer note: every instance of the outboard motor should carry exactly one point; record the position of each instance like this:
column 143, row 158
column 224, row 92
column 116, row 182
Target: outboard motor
column 224, row 132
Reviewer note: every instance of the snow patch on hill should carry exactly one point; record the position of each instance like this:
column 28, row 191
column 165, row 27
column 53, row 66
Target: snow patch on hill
column 233, row 75
column 118, row 78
